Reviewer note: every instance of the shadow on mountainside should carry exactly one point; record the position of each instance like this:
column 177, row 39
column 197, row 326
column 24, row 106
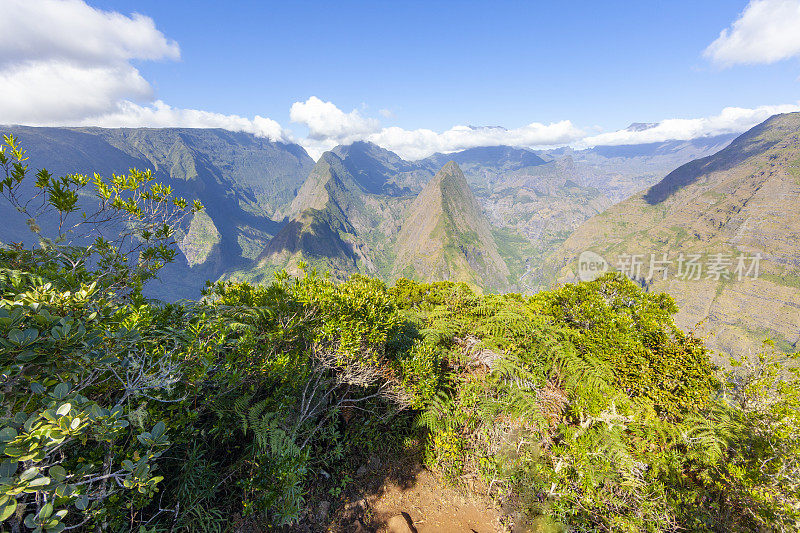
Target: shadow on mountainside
column 743, row 147
column 313, row 238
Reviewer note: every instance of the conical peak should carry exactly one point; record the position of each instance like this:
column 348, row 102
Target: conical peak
column 450, row 174
column 451, row 167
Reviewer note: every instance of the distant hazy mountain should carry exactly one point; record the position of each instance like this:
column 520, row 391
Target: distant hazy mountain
column 485, row 167
column 241, row 179
column 622, row 171
column 741, row 202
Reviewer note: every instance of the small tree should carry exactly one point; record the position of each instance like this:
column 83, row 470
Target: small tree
column 125, row 239
column 73, row 363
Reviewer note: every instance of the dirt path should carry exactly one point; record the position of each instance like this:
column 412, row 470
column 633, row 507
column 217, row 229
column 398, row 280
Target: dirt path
column 402, row 496
column 431, row 506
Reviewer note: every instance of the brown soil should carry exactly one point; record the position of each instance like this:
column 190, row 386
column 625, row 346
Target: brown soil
column 432, row 507
column 404, row 487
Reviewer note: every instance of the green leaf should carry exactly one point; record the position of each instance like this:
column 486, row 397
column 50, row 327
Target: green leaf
column 158, row 430
column 7, row 509
column 8, row 468
column 29, row 474
column 82, row 503
column 7, row 434
column 45, row 511
column 57, row 473
column 63, row 490
column 64, row 409
column 61, row 391
column 39, row 482
column 58, row 528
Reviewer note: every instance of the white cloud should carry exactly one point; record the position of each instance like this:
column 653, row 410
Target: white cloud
column 767, row 31
column 71, row 30
column 328, row 126
column 63, row 60
column 56, row 92
column 161, row 115
column 65, row 63
column 417, row 144
column 730, row 120
column 326, row 121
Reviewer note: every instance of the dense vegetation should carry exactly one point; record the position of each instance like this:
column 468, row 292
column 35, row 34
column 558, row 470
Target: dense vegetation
column 581, row 408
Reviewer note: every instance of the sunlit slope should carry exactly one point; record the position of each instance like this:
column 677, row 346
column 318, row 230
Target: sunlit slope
column 741, row 202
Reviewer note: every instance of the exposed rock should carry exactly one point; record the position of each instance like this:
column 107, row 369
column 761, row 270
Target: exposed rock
column 374, row 462
column 323, row 509
column 476, row 355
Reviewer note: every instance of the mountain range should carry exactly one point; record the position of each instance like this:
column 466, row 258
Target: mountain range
column 489, row 217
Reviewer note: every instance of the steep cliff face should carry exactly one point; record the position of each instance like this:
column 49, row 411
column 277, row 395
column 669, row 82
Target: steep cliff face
column 336, row 223
column 445, row 236
column 737, row 205
column 241, row 179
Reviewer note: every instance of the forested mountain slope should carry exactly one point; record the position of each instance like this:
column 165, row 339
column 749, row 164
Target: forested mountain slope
column 241, row 179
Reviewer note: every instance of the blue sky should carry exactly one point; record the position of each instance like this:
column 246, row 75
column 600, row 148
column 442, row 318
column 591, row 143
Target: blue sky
column 436, row 65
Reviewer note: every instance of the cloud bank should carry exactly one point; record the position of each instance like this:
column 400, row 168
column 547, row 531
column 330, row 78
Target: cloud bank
column 767, row 31
column 328, row 126
column 63, row 62
column 730, row 120
column 417, row 144
column 337, row 127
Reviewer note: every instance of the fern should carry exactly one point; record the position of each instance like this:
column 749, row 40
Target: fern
column 437, row 417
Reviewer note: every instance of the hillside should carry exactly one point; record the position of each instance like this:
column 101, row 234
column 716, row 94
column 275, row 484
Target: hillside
column 311, row 404
column 336, row 223
column 241, row 179
column 446, row 237
column 741, row 202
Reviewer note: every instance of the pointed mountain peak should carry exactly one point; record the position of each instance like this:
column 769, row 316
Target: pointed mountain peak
column 329, row 158
column 450, row 177
column 451, row 167
column 446, row 236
